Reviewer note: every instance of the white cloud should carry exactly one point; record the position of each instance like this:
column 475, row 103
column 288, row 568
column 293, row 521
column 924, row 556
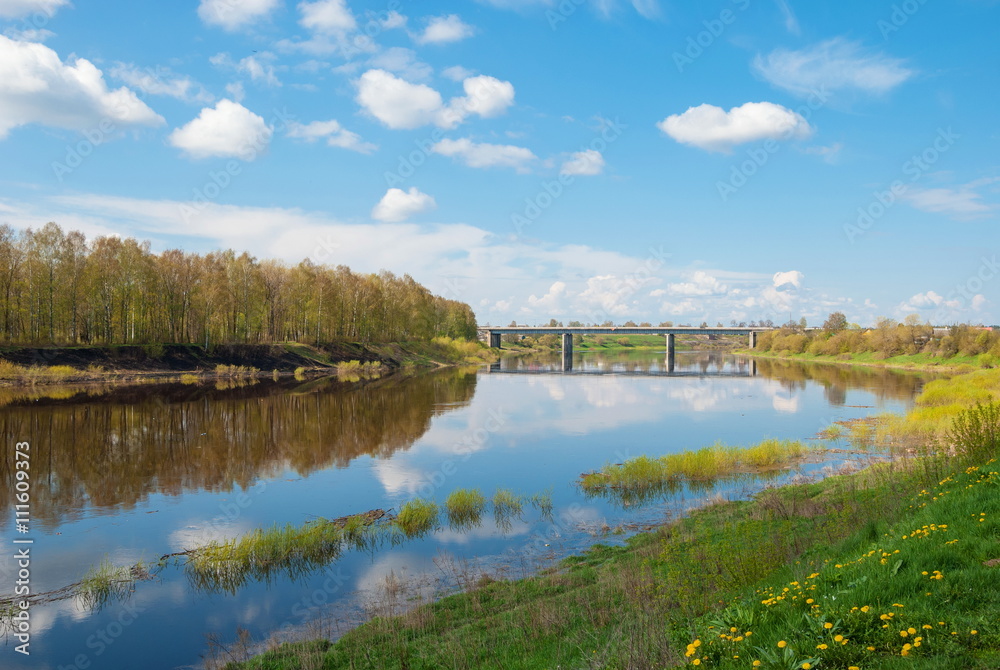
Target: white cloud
column 552, row 302
column 714, row 129
column 401, row 104
column 393, row 20
column 229, row 130
column 257, row 67
column 485, row 96
column 231, row 15
column 335, row 134
column 444, row 29
column 483, row 155
column 161, row 81
column 833, row 65
column 700, row 283
column 327, row 16
column 398, row 205
column 258, row 70
column 965, row 202
column 396, row 102
column 13, row 9
column 457, row 73
column 586, row 163
column 37, row 87
column 784, row 280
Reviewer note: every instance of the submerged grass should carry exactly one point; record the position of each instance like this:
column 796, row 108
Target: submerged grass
column 108, row 582
column 644, row 472
column 417, row 517
column 465, row 507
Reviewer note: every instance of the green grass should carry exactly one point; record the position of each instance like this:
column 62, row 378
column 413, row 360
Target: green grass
column 922, row 361
column 464, row 507
column 417, row 517
column 106, row 583
column 644, row 474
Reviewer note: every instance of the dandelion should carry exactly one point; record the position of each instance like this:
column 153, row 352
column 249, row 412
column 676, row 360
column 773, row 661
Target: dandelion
column 756, row 664
column 782, row 644
column 974, row 632
column 696, row 661
column 828, row 625
column 838, row 638
column 821, row 646
column 806, row 665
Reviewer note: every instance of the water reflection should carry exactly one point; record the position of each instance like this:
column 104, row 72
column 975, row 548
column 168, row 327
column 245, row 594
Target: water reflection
column 793, row 376
column 114, row 449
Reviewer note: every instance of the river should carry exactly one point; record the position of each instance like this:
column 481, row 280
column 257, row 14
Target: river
column 129, row 474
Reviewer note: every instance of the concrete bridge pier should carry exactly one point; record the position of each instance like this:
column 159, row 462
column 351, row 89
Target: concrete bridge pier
column 495, row 340
column 567, row 351
column 753, row 339
column 670, row 352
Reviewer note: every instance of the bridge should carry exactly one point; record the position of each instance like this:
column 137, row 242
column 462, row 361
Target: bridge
column 493, row 335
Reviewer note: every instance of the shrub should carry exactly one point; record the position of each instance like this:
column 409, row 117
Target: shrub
column 975, row 433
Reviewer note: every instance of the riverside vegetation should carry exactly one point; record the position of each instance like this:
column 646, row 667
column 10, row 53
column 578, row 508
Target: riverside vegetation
column 907, row 344
column 893, row 566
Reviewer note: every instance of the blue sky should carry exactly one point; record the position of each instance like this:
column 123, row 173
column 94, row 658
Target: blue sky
column 583, row 159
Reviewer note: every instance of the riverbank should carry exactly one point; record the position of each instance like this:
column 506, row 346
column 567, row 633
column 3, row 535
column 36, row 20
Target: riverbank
column 914, row 362
column 126, row 363
column 889, row 567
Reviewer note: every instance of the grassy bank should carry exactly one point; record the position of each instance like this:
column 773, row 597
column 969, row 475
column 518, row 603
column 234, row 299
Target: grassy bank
column 58, row 365
column 957, row 364
column 890, row 567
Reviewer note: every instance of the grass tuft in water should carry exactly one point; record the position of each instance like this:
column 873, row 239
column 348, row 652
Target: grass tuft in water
column 417, row 517
column 643, row 473
column 465, row 508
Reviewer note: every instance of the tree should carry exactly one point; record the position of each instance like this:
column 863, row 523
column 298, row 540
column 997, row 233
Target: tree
column 666, row 324
column 835, row 323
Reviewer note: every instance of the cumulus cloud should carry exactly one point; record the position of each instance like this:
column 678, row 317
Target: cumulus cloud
column 14, row 9
column 788, row 280
column 401, row 104
column 552, row 300
column 398, row 205
column 444, row 29
column 714, row 129
column 233, row 16
column 228, row 130
column 327, row 16
column 37, row 87
column 700, row 283
column 396, row 102
column 335, row 134
column 834, row 65
column 585, row 163
column 483, row 155
column 161, row 81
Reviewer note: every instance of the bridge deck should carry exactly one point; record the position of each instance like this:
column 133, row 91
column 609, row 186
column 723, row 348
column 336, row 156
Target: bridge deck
column 619, row 330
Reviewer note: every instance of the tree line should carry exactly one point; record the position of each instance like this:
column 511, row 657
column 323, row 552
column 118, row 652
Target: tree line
column 885, row 339
column 57, row 287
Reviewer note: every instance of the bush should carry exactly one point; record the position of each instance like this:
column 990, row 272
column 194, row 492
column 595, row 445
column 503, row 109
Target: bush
column 975, row 433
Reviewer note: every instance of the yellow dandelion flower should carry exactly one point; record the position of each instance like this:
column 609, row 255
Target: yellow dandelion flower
column 838, row 638
column 782, row 644
column 828, row 625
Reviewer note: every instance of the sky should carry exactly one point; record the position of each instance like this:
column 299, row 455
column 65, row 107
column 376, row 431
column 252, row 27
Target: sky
column 646, row 160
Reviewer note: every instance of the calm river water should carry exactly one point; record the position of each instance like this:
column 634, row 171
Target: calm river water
column 125, row 475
